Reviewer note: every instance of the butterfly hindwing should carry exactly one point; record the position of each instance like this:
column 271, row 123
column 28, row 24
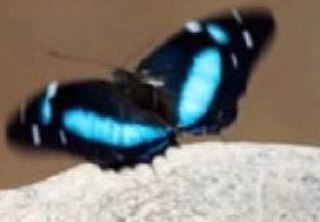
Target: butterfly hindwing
column 93, row 118
column 205, row 67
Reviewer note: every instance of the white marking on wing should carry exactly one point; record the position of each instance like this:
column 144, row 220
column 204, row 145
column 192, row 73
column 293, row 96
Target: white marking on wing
column 248, row 39
column 155, row 82
column 52, row 89
column 36, row 135
column 234, row 60
column 193, row 26
column 236, row 15
column 63, row 137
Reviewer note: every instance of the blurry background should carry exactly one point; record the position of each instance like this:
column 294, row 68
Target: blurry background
column 283, row 99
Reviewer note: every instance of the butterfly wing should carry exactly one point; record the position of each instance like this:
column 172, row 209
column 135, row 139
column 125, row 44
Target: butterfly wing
column 93, row 118
column 205, row 67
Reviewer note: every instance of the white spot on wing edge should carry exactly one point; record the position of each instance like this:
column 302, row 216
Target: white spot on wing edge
column 36, row 134
column 63, row 138
column 248, row 39
column 236, row 15
column 234, row 60
column 52, row 89
column 193, row 26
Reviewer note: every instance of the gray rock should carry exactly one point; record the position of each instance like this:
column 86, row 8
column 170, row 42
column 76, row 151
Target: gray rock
column 202, row 182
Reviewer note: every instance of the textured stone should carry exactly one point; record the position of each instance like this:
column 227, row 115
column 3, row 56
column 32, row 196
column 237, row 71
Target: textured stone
column 201, row 182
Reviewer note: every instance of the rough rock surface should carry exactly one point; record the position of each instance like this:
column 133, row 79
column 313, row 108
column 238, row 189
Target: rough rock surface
column 201, row 182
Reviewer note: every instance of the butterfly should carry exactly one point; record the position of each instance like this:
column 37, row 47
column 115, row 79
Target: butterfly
column 191, row 83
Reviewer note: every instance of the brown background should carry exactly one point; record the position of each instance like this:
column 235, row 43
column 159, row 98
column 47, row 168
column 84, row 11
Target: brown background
column 282, row 104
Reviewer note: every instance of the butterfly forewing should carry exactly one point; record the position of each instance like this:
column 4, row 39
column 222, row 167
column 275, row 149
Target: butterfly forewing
column 205, row 67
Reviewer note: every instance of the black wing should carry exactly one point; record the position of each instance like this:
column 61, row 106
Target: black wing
column 204, row 68
column 93, row 118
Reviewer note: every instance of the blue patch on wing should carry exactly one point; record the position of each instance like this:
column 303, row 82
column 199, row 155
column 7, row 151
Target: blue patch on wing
column 46, row 105
column 105, row 130
column 204, row 78
column 218, row 34
column 46, row 111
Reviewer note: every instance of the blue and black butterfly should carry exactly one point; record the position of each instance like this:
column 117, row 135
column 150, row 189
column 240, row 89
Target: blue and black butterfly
column 191, row 83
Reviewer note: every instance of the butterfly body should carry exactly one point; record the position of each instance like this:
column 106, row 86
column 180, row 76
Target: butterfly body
column 191, row 83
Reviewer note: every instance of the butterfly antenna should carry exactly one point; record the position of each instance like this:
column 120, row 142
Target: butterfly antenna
column 63, row 55
column 137, row 52
column 131, row 57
